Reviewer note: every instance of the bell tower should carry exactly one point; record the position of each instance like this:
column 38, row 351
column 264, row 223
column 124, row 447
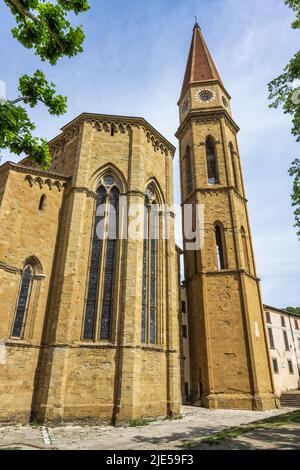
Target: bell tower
column 229, row 361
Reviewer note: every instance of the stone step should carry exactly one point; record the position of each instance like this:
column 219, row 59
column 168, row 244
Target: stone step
column 290, row 399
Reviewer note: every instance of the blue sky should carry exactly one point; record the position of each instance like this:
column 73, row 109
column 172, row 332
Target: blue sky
column 133, row 64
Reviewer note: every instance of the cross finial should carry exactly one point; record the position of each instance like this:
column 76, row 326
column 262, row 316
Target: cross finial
column 196, row 22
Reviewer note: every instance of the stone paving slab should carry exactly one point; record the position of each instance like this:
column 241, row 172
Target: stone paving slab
column 163, row 434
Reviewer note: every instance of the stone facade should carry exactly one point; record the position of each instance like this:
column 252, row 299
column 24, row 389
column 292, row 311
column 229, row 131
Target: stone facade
column 50, row 372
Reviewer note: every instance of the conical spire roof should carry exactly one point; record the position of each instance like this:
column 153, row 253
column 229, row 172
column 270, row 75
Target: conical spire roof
column 200, row 65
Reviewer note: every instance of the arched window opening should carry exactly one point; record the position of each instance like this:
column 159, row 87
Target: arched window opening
column 107, row 301
column 112, row 131
column 189, row 175
column 23, row 302
column 149, row 276
column 100, row 289
column 42, row 203
column 220, row 249
column 245, row 249
column 211, row 161
column 233, row 164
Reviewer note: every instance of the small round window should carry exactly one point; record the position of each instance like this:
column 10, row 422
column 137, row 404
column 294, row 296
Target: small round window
column 108, row 180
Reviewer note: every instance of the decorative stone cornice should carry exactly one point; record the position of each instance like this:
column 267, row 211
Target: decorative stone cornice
column 83, row 189
column 213, row 190
column 206, row 116
column 105, row 123
column 61, row 140
column 226, row 272
column 32, row 171
column 41, row 182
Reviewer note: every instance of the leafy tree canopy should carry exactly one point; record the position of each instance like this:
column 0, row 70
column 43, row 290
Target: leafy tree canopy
column 285, row 91
column 43, row 26
column 295, row 310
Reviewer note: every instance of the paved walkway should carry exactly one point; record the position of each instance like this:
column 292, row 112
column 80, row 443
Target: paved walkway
column 166, row 434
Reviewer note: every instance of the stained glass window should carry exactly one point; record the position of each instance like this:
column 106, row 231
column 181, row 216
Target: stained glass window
column 211, row 162
column 107, row 302
column 104, row 244
column 92, row 294
column 22, row 302
column 144, row 279
column 149, row 276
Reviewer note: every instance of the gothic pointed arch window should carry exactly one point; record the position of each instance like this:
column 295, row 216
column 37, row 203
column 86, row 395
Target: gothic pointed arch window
column 220, row 246
column 188, row 170
column 23, row 301
column 100, row 289
column 150, row 267
column 245, row 249
column 233, row 165
column 211, row 161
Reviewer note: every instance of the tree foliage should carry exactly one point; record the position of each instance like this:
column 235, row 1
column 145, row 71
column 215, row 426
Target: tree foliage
column 295, row 310
column 43, row 26
column 284, row 91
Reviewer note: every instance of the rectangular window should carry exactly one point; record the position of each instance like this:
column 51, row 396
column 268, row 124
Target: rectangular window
column 271, row 339
column 184, row 331
column 268, row 317
column 283, row 322
column 275, row 365
column 296, row 324
column 183, row 307
column 286, row 341
column 290, row 364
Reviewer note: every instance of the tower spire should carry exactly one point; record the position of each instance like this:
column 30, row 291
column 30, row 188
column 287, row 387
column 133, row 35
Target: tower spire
column 200, row 65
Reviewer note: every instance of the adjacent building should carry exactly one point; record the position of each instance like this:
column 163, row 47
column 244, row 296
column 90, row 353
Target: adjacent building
column 283, row 332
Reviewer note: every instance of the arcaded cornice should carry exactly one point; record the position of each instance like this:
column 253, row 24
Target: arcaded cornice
column 206, row 116
column 121, row 123
column 31, row 171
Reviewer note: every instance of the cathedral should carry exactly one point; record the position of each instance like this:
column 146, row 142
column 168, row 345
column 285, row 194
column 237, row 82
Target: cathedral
column 90, row 312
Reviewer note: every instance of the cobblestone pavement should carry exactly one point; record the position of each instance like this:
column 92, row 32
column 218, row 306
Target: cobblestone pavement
column 164, row 434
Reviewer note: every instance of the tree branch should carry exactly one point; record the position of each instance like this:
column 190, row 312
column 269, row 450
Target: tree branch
column 22, row 98
column 26, row 13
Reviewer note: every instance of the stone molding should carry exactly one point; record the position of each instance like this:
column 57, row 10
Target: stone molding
column 211, row 191
column 32, row 171
column 105, row 123
column 212, row 115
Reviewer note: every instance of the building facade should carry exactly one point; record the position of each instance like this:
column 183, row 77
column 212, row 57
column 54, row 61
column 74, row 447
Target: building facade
column 284, row 347
column 229, row 359
column 88, row 325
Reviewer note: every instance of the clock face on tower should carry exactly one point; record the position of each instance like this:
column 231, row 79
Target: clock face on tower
column 205, row 96
column 185, row 105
